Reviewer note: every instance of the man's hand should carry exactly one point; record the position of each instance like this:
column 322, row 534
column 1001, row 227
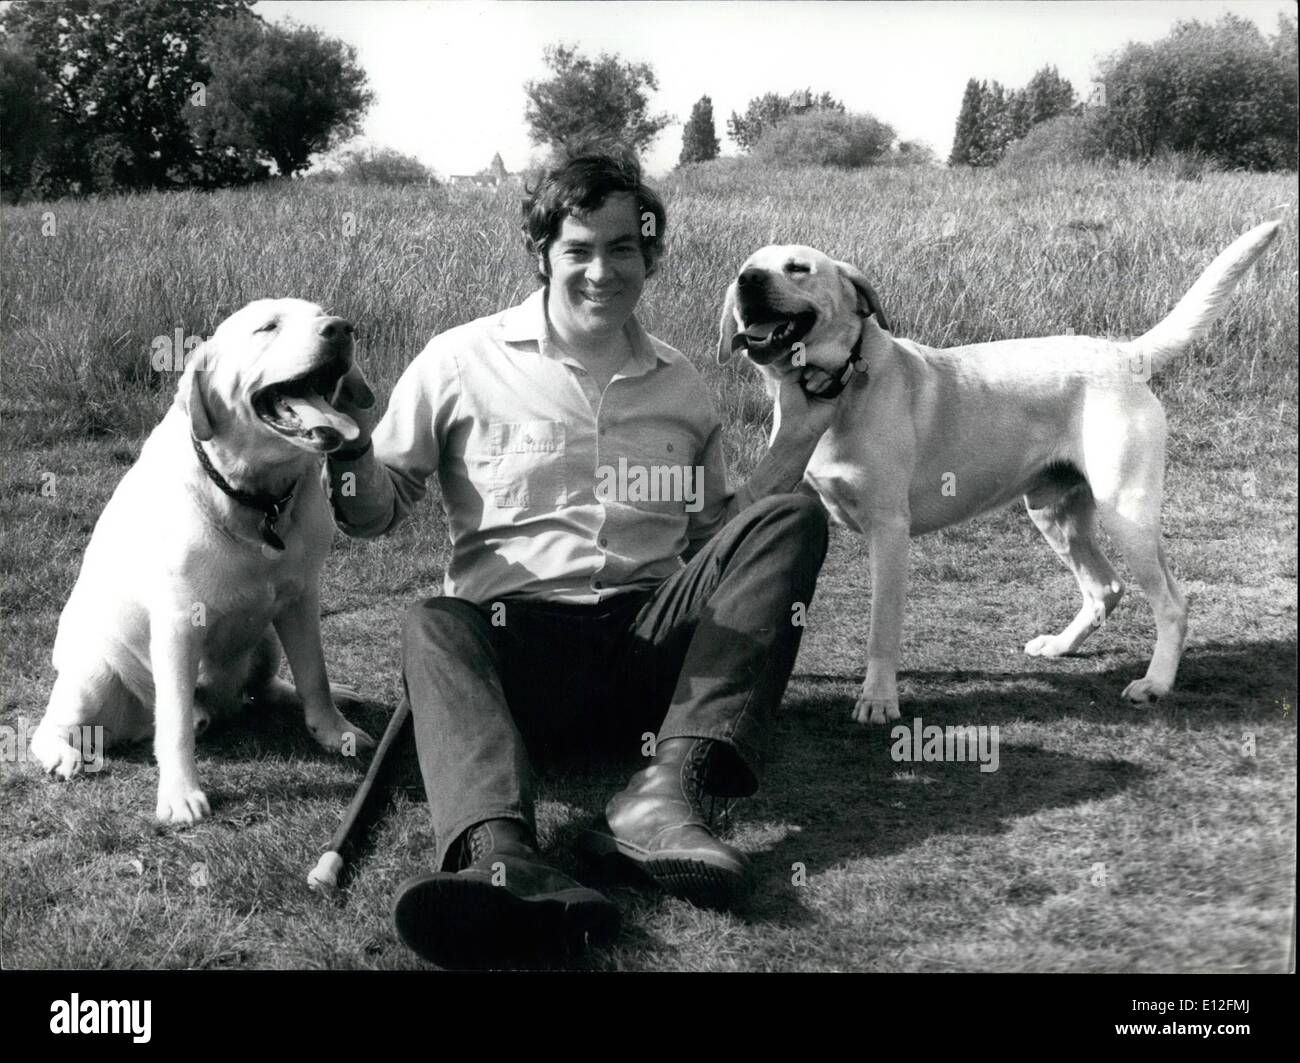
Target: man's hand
column 804, row 415
column 354, row 399
column 804, row 420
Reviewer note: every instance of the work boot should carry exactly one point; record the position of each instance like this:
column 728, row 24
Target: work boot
column 503, row 903
column 656, row 825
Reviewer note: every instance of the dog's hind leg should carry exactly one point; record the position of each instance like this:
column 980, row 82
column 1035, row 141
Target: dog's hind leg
column 1067, row 517
column 1138, row 535
column 1129, row 487
column 265, row 687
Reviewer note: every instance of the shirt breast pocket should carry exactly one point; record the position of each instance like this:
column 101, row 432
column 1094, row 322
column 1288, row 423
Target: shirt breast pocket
column 663, row 478
column 528, row 469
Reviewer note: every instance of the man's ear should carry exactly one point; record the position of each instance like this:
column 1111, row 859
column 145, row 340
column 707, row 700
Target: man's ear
column 866, row 294
column 189, row 393
column 727, row 326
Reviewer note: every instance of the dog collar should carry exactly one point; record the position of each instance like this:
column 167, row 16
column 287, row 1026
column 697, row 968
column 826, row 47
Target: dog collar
column 855, row 364
column 269, row 505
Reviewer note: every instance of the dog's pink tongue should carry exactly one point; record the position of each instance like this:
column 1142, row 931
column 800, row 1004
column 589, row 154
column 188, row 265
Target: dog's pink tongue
column 317, row 414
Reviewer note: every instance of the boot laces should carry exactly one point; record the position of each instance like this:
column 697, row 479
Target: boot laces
column 714, row 810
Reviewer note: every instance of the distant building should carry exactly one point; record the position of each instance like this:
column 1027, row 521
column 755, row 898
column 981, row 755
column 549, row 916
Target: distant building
column 494, row 176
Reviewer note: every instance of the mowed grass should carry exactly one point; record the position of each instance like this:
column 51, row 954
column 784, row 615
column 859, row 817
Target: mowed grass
column 1110, row 838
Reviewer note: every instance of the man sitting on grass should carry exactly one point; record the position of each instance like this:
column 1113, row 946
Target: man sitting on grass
column 604, row 581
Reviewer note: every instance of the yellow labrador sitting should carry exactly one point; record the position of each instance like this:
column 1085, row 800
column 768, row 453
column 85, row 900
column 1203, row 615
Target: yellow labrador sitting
column 210, row 548
column 924, row 438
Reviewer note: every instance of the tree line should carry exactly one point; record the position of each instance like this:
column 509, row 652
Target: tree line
column 122, row 95
column 1222, row 91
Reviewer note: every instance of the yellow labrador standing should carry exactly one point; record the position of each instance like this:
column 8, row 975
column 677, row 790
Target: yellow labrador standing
column 210, row 548
column 925, row 438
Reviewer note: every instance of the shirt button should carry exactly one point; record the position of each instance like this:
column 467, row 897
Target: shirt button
column 604, row 431
column 604, row 541
column 597, row 584
column 670, row 448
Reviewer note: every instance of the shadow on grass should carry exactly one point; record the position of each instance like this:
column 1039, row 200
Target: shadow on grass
column 1216, row 681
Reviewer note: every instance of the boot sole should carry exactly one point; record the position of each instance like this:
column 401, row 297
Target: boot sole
column 701, row 876
column 458, row 922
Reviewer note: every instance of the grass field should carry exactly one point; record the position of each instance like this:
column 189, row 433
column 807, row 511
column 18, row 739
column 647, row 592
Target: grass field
column 1110, row 838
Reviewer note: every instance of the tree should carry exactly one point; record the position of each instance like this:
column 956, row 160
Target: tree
column 699, row 142
column 1046, row 96
column 984, row 125
column 997, row 131
column 965, row 140
column 588, row 101
column 25, row 116
column 826, row 138
column 1019, row 112
column 382, row 166
column 1219, row 90
column 914, row 153
column 121, row 73
column 992, row 118
column 766, row 111
column 277, row 94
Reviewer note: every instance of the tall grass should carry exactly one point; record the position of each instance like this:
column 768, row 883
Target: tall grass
column 957, row 256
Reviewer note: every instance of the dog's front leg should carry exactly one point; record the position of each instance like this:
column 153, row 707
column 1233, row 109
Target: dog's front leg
column 888, row 540
column 299, row 629
column 175, row 644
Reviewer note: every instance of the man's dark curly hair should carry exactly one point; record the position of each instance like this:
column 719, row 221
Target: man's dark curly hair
column 579, row 183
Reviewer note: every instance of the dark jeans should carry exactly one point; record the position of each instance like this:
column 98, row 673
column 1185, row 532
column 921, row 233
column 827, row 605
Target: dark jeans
column 706, row 654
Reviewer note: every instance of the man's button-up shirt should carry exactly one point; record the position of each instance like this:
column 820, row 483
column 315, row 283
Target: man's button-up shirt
column 552, row 489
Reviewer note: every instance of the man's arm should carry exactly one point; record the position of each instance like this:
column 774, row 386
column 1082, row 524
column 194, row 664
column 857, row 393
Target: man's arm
column 374, row 484
column 801, row 422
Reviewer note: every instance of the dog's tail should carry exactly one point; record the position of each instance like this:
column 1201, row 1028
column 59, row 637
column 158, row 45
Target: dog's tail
column 1196, row 310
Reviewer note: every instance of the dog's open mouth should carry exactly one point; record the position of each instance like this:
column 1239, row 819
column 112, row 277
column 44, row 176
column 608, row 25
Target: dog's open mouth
column 766, row 341
column 301, row 407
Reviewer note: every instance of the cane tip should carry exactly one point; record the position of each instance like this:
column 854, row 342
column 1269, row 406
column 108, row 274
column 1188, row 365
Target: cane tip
column 324, row 877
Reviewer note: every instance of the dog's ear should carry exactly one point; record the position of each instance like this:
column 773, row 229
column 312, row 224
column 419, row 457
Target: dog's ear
column 353, row 391
column 190, row 397
column 727, row 326
column 866, row 294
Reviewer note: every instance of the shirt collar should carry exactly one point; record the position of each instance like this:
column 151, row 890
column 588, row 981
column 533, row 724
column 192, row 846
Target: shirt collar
column 526, row 323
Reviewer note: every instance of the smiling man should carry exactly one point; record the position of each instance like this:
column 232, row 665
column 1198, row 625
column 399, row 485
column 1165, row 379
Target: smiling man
column 579, row 619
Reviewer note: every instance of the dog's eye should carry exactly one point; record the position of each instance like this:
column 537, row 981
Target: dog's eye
column 270, row 326
column 797, row 267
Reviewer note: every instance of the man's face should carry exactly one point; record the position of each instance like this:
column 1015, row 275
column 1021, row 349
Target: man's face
column 597, row 271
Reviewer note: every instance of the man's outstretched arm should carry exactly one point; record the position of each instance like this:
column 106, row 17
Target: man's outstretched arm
column 801, row 422
column 375, row 482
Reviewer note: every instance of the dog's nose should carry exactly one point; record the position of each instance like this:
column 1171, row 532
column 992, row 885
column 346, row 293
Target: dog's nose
column 751, row 278
column 335, row 328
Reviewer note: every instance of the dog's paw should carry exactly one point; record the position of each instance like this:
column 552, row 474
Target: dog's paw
column 1145, row 691
column 1047, row 646
column 56, row 756
column 339, row 736
column 873, row 711
column 182, row 803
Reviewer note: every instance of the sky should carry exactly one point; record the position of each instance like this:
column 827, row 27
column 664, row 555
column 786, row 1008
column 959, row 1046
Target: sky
column 448, row 76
